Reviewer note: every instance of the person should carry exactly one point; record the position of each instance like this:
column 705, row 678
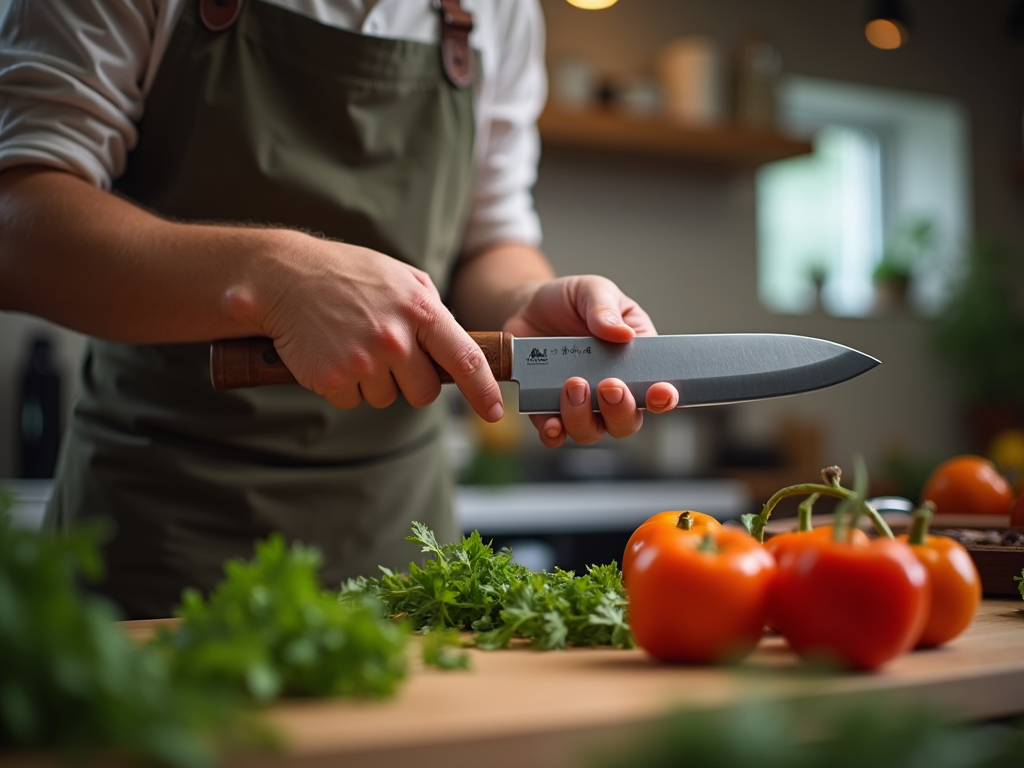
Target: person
column 352, row 179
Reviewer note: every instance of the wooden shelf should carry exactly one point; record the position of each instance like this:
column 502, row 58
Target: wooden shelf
column 724, row 144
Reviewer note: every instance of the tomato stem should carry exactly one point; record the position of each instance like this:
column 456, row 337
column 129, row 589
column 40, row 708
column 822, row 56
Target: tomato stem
column 831, row 487
column 918, row 534
column 800, row 489
column 804, row 513
column 832, row 476
column 685, row 521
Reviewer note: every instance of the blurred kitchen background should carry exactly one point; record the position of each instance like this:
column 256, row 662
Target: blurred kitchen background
column 742, row 166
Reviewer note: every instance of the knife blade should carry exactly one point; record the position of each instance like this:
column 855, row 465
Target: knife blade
column 706, row 369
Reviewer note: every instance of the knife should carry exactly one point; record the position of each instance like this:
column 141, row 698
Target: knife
column 706, row 369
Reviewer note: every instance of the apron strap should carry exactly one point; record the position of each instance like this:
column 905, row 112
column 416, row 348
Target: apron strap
column 456, row 24
column 218, row 15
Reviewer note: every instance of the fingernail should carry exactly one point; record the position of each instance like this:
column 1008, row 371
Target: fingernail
column 495, row 413
column 577, row 393
column 612, row 395
column 553, row 431
column 657, row 402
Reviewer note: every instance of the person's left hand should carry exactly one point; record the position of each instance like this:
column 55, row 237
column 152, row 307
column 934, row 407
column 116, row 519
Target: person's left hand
column 589, row 305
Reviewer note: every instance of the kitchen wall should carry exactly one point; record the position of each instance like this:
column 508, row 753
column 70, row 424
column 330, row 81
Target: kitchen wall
column 682, row 241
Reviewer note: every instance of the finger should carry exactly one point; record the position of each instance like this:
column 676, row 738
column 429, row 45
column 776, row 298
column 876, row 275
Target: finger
column 550, row 428
column 578, row 417
column 455, row 351
column 662, row 397
column 418, row 380
column 379, row 391
column 603, row 308
column 345, row 398
column 618, row 408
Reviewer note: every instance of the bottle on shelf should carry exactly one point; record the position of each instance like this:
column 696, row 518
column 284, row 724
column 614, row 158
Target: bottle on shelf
column 756, row 71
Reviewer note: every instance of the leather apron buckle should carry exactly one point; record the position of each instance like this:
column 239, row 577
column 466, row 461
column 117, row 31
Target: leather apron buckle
column 456, row 57
column 218, row 15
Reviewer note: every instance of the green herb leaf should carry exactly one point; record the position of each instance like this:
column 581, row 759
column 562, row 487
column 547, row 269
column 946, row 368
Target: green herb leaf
column 468, row 586
column 270, row 629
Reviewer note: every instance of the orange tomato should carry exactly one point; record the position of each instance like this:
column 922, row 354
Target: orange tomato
column 968, row 485
column 954, row 584
column 699, row 599
column 657, row 524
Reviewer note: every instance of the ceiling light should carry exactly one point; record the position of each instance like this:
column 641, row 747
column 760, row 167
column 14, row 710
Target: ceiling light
column 592, row 5
column 887, row 26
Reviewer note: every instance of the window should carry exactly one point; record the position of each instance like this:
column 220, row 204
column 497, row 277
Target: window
column 881, row 160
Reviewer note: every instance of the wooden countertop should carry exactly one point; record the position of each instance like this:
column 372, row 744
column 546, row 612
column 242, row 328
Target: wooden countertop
column 545, row 709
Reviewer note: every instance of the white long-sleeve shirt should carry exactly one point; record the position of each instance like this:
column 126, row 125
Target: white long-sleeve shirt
column 74, row 76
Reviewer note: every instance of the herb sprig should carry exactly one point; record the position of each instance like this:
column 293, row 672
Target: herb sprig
column 270, row 629
column 468, row 586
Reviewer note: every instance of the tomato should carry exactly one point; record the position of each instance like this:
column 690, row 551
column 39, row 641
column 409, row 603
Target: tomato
column 968, row 485
column 699, row 599
column 679, row 520
column 784, row 547
column 781, row 545
column 858, row 605
column 954, row 586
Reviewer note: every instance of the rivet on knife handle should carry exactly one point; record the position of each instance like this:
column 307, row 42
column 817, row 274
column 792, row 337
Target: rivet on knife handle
column 254, row 362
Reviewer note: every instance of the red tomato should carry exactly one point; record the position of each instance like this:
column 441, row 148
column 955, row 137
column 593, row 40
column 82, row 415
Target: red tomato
column 655, row 525
column 699, row 599
column 784, row 547
column 858, row 605
column 968, row 485
column 954, row 588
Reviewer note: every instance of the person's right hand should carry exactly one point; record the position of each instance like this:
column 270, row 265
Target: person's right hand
column 353, row 324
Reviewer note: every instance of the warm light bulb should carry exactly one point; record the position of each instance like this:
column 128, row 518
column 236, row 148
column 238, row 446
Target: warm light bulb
column 592, row 5
column 885, row 34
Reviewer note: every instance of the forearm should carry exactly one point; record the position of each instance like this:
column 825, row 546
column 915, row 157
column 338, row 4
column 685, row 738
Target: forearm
column 492, row 285
column 93, row 262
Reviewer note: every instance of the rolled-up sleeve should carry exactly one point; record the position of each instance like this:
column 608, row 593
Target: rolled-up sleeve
column 507, row 144
column 71, row 75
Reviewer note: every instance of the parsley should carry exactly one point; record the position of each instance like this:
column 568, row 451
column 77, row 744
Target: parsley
column 1020, row 582
column 270, row 630
column 467, row 586
column 71, row 680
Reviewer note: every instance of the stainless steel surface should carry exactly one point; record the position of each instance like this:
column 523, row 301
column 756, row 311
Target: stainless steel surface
column 529, row 508
column 584, row 507
column 891, row 504
column 707, row 369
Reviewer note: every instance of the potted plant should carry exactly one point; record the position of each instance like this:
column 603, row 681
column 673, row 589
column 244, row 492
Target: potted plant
column 906, row 252
column 980, row 334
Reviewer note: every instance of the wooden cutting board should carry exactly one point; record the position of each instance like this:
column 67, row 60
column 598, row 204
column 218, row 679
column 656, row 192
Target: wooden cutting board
column 546, row 709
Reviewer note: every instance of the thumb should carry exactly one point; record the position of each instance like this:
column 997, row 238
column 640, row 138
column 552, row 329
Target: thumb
column 604, row 313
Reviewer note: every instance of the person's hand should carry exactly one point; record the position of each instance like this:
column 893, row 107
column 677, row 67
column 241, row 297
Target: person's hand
column 588, row 305
column 355, row 325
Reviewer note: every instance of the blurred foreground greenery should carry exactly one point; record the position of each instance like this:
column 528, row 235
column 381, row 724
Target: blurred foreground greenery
column 71, row 681
column 820, row 734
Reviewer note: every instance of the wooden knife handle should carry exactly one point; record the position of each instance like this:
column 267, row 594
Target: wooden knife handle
column 254, row 362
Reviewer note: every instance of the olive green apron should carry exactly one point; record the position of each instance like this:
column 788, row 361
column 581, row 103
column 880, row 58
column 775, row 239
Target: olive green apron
column 276, row 120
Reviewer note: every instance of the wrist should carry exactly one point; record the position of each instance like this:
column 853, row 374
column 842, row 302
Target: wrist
column 269, row 264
